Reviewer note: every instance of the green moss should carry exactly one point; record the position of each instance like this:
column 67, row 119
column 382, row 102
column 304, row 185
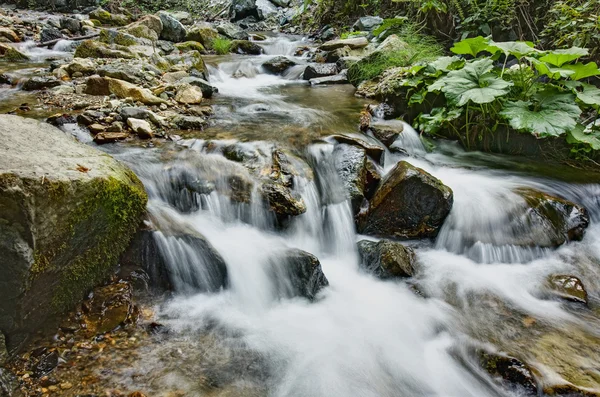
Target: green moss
column 96, row 22
column 143, row 31
column 103, row 222
column 114, row 37
column 221, row 46
column 190, row 46
column 12, row 55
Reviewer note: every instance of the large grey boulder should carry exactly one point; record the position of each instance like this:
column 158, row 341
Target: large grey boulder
column 173, row 30
column 232, row 31
column 410, row 203
column 67, row 212
column 368, row 23
column 241, row 9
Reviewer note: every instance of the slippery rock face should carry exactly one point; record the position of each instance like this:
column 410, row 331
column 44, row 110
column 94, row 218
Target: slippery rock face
column 386, row 259
column 317, row 70
column 67, row 212
column 351, row 165
column 508, row 371
column 245, row 47
column 410, row 203
column 567, row 287
column 298, row 273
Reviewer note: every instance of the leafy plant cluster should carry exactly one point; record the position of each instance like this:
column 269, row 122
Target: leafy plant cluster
column 574, row 23
column 504, row 86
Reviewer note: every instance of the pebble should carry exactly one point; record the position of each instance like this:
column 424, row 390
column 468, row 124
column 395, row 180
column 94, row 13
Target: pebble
column 66, row 385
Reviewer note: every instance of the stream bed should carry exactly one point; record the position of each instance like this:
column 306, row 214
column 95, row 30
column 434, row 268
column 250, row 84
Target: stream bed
column 475, row 286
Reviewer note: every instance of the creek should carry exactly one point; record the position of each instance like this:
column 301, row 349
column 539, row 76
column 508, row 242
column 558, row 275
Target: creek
column 362, row 336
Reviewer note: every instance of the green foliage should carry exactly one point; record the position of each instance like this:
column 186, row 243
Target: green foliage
column 417, row 47
column 573, row 23
column 483, row 95
column 221, row 45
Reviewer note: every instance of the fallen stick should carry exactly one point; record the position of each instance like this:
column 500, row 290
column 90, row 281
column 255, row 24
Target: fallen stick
column 52, row 42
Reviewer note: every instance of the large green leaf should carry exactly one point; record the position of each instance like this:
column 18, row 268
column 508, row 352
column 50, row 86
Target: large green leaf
column 473, row 83
column 580, row 134
column 446, row 64
column 516, row 48
column 582, row 71
column 472, row 46
column 590, row 95
column 560, row 57
column 555, row 73
column 552, row 114
column 434, row 121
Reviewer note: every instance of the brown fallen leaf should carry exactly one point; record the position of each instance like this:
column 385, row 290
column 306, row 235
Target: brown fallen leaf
column 81, row 168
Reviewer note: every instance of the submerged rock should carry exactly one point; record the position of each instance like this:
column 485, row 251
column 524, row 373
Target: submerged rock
column 278, row 65
column 297, row 273
column 281, row 200
column 351, row 165
column 568, row 287
column 410, row 203
column 68, row 212
column 108, row 308
column 386, row 259
column 508, row 371
column 548, row 221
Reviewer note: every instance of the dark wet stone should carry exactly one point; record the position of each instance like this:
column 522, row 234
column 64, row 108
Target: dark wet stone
column 50, row 33
column 232, row 31
column 351, row 166
column 386, row 259
column 282, row 200
column 40, row 83
column 108, row 308
column 207, row 90
column 387, row 132
column 373, row 179
column 71, row 24
column 410, row 203
column 298, row 273
column 173, row 30
column 508, row 371
column 373, row 150
column 241, row 9
column 317, row 70
column 245, row 47
column 46, row 364
column 278, row 65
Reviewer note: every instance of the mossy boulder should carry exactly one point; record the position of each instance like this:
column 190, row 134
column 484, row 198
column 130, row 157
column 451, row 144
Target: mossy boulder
column 245, row 47
column 191, row 46
column 97, row 49
column 203, row 33
column 67, row 212
column 106, row 18
column 149, row 27
column 386, row 259
column 11, row 54
column 192, row 60
column 410, row 203
column 173, row 30
column 109, row 36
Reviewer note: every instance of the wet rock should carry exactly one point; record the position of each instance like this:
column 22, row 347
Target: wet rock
column 86, row 205
column 171, row 259
column 97, row 49
column 341, row 78
column 568, row 287
column 410, row 203
column 110, row 137
column 232, row 31
column 8, row 35
column 149, row 27
column 355, row 43
column 40, row 83
column 281, row 200
column 350, row 163
column 373, row 179
column 317, row 70
column 189, row 122
column 140, row 113
column 111, row 36
column 376, row 152
column 387, row 132
column 298, row 273
column 8, row 384
column 548, row 221
column 204, row 33
column 3, row 351
column 387, row 259
column 191, row 46
column 278, row 65
column 10, row 54
column 508, row 371
column 188, row 94
column 245, row 47
column 46, row 363
column 122, row 89
column 367, row 24
column 141, row 127
column 106, row 18
column 96, row 128
column 207, row 90
column 241, row 9
column 173, row 30
column 71, row 24
column 108, row 308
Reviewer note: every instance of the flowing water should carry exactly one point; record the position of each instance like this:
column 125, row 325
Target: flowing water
column 362, row 336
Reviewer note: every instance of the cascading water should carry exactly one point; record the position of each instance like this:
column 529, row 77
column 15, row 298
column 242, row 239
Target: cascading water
column 361, row 336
